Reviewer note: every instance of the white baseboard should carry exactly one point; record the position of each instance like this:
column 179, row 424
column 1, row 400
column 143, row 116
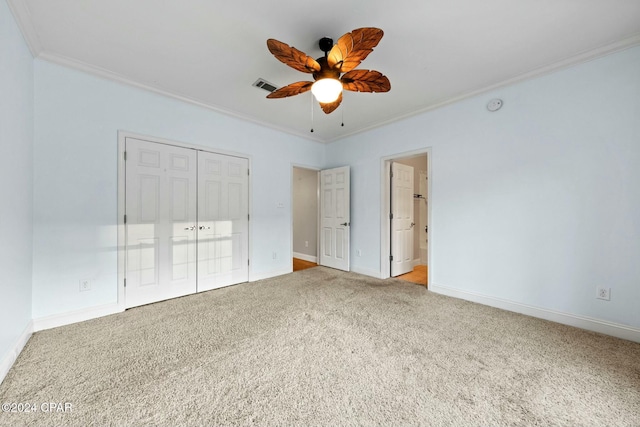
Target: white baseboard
column 596, row 325
column 15, row 350
column 56, row 320
column 366, row 272
column 268, row 274
column 416, row 262
column 305, row 257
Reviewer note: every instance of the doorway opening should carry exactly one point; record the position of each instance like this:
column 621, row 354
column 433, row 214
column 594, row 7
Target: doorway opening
column 321, row 216
column 305, row 195
column 405, row 217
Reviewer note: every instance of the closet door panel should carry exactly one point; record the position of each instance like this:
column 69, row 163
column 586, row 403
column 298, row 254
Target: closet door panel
column 160, row 186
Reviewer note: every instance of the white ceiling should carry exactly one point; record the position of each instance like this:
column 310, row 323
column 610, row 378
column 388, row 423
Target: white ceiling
column 433, row 51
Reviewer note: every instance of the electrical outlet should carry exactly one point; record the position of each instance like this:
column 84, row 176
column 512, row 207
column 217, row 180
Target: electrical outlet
column 306, row 243
column 359, row 252
column 85, row 285
column 603, row 293
column 275, row 255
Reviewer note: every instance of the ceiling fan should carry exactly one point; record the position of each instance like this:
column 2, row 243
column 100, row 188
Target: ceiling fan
column 335, row 71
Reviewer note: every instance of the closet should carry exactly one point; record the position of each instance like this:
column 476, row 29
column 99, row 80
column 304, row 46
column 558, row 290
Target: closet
column 186, row 221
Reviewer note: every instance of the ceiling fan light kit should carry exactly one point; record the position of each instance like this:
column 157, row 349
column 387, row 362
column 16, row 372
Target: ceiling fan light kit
column 334, row 71
column 326, row 90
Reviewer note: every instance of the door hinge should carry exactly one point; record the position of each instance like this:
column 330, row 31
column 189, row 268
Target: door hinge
column 125, row 156
column 248, row 172
column 390, row 257
column 248, row 262
column 125, row 282
column 125, row 219
column 248, row 217
column 391, row 174
column 390, row 216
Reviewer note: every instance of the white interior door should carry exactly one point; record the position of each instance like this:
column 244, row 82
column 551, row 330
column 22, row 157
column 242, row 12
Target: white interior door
column 335, row 218
column 160, row 222
column 424, row 229
column 402, row 221
column 223, row 220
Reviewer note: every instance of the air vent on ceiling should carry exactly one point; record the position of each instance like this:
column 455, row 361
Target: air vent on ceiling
column 263, row 84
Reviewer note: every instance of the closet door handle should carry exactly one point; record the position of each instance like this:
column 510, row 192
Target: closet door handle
column 193, row 227
column 346, row 224
column 413, row 223
column 202, row 227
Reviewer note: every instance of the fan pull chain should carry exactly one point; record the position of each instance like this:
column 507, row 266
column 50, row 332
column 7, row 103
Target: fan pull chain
column 311, row 112
column 342, row 111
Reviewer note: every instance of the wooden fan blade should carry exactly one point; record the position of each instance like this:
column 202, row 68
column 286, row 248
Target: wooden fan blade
column 352, row 48
column 293, row 57
column 330, row 107
column 365, row 81
column 290, row 90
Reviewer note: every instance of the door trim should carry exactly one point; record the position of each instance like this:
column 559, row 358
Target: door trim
column 121, row 239
column 385, row 206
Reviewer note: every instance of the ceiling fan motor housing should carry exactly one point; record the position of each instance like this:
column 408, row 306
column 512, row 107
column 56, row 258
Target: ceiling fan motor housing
column 325, row 71
column 325, row 44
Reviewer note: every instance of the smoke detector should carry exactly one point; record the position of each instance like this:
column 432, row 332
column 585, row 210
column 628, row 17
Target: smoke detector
column 494, row 104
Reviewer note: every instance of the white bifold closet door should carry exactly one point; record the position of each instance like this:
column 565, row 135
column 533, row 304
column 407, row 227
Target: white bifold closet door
column 186, row 221
column 160, row 222
column 223, row 225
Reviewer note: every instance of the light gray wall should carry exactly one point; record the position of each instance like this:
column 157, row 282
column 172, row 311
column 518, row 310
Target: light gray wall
column 16, row 190
column 305, row 211
column 537, row 203
column 77, row 118
column 418, row 164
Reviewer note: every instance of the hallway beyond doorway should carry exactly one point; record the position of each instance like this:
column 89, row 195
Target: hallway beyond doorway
column 417, row 276
column 300, row 264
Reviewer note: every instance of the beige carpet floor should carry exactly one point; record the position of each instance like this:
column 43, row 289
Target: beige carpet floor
column 322, row 347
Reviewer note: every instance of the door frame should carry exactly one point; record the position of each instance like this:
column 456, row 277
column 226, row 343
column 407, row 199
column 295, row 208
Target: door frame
column 121, row 239
column 385, row 207
column 317, row 170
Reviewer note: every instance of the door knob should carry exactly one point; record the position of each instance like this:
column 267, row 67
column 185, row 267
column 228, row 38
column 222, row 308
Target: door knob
column 413, row 223
column 190, row 228
column 346, row 224
column 202, row 227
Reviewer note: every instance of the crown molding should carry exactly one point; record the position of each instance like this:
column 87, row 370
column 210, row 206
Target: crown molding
column 22, row 15
column 119, row 78
column 578, row 59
